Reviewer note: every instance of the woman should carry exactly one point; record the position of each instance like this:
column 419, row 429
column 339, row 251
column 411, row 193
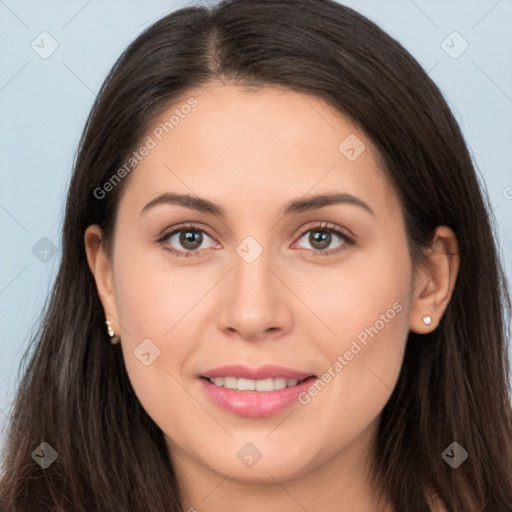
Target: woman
column 366, row 370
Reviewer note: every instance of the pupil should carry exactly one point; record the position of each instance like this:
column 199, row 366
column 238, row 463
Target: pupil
column 189, row 238
column 320, row 236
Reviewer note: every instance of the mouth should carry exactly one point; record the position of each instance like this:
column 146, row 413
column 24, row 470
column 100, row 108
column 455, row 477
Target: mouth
column 262, row 385
column 255, row 398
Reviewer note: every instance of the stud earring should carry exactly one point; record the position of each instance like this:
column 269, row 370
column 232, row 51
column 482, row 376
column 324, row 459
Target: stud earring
column 113, row 338
column 427, row 320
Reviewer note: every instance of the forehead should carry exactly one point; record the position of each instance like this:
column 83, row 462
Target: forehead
column 256, row 146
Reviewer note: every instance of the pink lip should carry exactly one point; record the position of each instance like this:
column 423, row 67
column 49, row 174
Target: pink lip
column 264, row 372
column 255, row 403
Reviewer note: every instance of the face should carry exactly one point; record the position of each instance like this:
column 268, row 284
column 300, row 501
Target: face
column 320, row 288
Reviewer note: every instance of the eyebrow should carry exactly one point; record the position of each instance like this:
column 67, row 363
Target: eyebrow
column 292, row 207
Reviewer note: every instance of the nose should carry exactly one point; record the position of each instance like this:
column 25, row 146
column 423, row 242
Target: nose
column 255, row 302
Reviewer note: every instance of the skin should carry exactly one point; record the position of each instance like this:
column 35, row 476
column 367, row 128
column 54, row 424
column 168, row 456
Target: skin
column 251, row 152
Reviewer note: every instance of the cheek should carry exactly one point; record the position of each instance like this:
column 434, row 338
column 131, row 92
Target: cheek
column 154, row 306
column 367, row 366
column 365, row 299
column 153, row 298
column 370, row 322
column 155, row 352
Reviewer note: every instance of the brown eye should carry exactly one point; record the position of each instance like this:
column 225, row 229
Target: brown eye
column 185, row 241
column 322, row 237
column 190, row 239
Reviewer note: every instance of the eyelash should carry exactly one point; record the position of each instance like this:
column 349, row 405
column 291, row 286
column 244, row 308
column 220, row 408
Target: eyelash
column 325, row 227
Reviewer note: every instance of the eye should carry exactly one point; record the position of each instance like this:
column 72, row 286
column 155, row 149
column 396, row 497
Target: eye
column 192, row 237
column 321, row 236
column 189, row 237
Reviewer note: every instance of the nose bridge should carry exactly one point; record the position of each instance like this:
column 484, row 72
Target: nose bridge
column 254, row 302
column 251, row 275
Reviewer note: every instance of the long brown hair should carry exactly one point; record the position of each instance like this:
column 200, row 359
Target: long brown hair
column 454, row 384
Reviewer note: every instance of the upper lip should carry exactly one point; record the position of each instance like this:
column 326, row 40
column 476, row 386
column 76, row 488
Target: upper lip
column 261, row 373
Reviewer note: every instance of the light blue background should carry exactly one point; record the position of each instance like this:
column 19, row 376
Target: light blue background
column 44, row 104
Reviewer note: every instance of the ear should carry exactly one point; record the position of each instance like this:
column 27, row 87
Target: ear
column 434, row 281
column 101, row 268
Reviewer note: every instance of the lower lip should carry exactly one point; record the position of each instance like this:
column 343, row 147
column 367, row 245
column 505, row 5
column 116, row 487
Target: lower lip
column 255, row 404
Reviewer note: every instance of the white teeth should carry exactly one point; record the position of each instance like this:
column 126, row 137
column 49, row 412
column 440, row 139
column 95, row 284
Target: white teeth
column 246, row 385
column 265, row 385
column 279, row 383
column 231, row 382
column 253, row 385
